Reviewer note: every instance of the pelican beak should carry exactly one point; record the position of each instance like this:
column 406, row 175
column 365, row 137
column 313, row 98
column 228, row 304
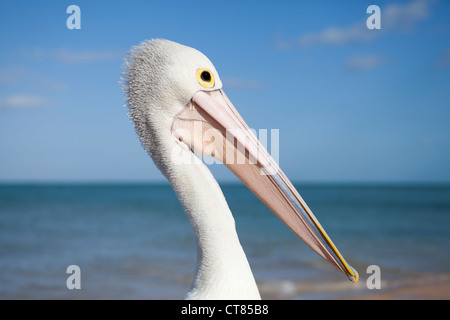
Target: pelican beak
column 211, row 126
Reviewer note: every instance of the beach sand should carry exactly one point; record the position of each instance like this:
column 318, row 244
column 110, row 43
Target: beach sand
column 428, row 287
column 432, row 292
column 419, row 292
column 424, row 287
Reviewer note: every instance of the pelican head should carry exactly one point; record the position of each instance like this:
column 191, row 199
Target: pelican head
column 176, row 102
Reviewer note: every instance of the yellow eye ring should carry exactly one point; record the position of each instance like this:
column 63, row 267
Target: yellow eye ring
column 205, row 78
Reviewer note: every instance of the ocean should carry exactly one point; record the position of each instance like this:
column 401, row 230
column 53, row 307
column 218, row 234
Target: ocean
column 133, row 241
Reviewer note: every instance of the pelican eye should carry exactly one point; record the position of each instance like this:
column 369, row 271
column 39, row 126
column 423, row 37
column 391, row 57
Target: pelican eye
column 205, row 78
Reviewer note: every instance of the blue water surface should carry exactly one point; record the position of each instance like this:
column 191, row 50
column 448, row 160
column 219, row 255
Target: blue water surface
column 134, row 240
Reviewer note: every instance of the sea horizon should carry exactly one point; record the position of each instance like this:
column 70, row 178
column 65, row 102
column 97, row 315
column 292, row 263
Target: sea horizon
column 164, row 182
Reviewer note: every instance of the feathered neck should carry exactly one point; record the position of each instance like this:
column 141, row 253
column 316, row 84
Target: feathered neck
column 222, row 270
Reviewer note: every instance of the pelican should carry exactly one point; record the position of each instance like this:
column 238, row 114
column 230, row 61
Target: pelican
column 180, row 112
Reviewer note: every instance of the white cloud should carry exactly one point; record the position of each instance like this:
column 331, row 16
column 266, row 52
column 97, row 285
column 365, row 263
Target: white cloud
column 394, row 17
column 405, row 16
column 337, row 36
column 364, row 62
column 67, row 56
column 23, row 101
column 16, row 76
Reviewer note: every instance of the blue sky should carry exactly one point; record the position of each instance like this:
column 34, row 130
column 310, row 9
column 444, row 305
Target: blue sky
column 351, row 104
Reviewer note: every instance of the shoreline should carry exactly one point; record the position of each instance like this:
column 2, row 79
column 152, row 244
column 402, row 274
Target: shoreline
column 425, row 287
column 428, row 288
column 421, row 292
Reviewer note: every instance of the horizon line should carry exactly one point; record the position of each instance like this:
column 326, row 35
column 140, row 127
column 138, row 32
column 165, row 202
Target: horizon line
column 224, row 182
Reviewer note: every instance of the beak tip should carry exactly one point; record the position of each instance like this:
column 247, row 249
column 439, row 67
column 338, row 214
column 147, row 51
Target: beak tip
column 355, row 277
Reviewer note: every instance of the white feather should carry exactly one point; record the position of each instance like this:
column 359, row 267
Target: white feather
column 159, row 80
